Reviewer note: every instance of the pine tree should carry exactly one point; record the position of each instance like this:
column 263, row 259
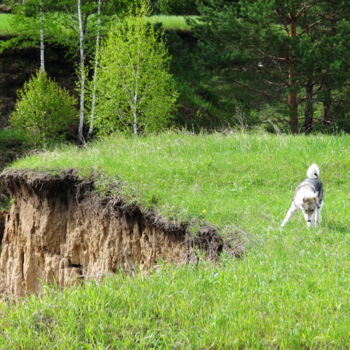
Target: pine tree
column 273, row 49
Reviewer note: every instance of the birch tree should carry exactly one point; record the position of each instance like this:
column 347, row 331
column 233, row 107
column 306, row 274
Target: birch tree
column 77, row 17
column 135, row 91
column 82, row 72
column 29, row 21
column 42, row 36
column 81, row 20
column 94, row 79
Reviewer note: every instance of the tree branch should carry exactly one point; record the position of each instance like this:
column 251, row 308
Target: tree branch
column 271, row 56
column 311, row 26
column 303, row 9
column 284, row 23
column 263, row 93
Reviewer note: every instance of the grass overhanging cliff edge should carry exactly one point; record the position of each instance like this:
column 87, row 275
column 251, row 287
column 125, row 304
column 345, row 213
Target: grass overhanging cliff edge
column 231, row 181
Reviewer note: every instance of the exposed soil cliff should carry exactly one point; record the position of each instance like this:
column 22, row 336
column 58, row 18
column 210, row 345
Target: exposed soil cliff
column 59, row 231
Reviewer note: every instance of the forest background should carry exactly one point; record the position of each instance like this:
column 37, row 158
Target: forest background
column 272, row 65
column 278, row 67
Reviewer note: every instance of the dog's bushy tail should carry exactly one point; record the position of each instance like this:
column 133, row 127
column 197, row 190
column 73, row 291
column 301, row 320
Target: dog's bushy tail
column 313, row 172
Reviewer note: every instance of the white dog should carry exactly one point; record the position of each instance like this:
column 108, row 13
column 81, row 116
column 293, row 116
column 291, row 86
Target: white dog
column 308, row 198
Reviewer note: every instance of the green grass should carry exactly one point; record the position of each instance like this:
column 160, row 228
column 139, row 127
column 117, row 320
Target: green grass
column 168, row 22
column 12, row 135
column 171, row 22
column 225, row 180
column 5, row 24
column 290, row 290
column 282, row 300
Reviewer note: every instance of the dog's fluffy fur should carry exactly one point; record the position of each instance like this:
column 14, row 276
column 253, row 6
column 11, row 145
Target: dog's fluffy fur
column 308, row 198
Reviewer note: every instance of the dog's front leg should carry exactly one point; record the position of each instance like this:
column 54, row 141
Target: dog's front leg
column 319, row 216
column 290, row 212
column 319, row 209
column 316, row 217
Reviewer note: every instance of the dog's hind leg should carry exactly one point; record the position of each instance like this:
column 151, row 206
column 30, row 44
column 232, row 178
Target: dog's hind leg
column 290, row 212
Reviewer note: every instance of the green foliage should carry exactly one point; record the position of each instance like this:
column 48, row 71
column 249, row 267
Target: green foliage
column 21, row 32
column 244, row 59
column 176, row 7
column 9, row 135
column 199, row 106
column 135, row 91
column 262, row 43
column 44, row 109
column 197, row 113
column 60, row 22
column 5, row 25
column 24, row 21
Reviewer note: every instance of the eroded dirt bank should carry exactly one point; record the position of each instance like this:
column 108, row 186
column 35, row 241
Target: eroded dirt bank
column 59, row 231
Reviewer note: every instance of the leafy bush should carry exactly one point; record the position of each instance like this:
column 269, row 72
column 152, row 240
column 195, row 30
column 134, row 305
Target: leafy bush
column 44, row 109
column 135, row 92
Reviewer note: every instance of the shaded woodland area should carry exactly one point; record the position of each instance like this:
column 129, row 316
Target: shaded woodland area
column 273, row 65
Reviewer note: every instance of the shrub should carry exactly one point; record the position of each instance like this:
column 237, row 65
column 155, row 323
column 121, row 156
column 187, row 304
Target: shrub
column 43, row 109
column 135, row 92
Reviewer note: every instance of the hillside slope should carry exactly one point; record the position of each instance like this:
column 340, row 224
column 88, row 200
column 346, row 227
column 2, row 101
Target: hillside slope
column 227, row 181
column 289, row 290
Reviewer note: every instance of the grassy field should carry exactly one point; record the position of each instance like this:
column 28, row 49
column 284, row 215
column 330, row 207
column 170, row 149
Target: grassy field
column 169, row 23
column 290, row 290
column 225, row 180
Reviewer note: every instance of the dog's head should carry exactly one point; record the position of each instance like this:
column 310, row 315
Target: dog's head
column 309, row 205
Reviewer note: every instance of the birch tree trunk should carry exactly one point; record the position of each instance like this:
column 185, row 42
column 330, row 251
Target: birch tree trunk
column 42, row 38
column 97, row 52
column 292, row 95
column 82, row 74
column 135, row 123
column 134, row 113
